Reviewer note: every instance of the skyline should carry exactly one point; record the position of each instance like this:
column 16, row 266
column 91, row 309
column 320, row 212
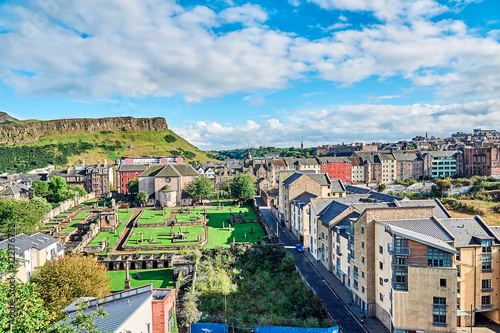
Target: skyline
column 233, row 74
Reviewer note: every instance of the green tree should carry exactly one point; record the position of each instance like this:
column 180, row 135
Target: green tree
column 382, row 187
column 133, row 186
column 169, row 138
column 40, row 204
column 39, row 189
column 63, row 280
column 25, row 215
column 78, row 189
column 242, row 187
column 142, row 197
column 201, row 188
column 57, row 188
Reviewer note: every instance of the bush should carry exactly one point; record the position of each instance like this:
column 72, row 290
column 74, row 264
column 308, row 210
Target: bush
column 170, row 138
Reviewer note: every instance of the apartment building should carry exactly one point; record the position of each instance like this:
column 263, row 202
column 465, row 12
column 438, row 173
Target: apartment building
column 442, row 164
column 336, row 168
column 126, row 172
column 301, row 222
column 481, row 161
column 33, row 251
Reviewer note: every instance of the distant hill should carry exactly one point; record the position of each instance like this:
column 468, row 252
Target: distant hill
column 34, row 144
column 6, row 119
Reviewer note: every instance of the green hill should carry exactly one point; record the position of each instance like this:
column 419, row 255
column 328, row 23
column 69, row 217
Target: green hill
column 95, row 140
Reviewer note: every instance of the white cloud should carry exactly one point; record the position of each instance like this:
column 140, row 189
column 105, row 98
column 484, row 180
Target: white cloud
column 256, row 102
column 365, row 122
column 248, row 15
column 165, row 50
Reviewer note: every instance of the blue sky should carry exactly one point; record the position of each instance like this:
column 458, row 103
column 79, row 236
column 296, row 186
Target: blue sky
column 228, row 74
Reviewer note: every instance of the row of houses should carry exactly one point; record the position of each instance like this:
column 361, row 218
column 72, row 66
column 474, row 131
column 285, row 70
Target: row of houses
column 406, row 262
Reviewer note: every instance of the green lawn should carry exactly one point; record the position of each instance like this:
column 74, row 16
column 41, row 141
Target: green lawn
column 82, row 215
column 162, row 235
column 112, row 237
column 218, row 236
column 153, row 216
column 160, row 278
column 124, row 216
column 69, row 228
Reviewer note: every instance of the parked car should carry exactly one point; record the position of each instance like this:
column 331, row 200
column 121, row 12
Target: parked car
column 299, row 248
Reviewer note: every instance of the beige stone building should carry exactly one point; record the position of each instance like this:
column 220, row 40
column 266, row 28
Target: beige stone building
column 166, row 183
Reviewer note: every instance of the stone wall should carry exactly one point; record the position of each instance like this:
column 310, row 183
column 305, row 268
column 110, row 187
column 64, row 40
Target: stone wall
column 66, row 205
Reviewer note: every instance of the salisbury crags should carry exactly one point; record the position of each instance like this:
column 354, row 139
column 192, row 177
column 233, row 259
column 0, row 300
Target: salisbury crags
column 32, row 130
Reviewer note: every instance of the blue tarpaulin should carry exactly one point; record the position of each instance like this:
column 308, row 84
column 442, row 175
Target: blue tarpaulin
column 208, row 328
column 282, row 329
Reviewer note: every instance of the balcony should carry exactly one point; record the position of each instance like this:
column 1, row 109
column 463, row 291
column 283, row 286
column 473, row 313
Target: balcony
column 398, row 250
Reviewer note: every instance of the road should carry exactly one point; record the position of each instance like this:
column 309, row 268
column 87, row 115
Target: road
column 331, row 301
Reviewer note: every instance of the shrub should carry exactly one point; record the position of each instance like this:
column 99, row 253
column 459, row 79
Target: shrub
column 170, row 138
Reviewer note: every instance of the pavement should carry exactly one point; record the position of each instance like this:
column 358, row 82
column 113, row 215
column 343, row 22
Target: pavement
column 333, row 294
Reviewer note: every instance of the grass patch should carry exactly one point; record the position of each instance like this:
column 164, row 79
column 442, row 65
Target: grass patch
column 160, row 278
column 112, row 237
column 71, row 226
column 162, row 235
column 82, row 215
column 153, row 216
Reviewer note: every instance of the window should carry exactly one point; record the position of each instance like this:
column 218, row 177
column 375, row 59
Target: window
column 439, row 311
column 381, row 265
column 363, row 260
column 363, row 275
column 381, row 281
column 486, row 256
column 438, row 258
column 486, row 301
column 362, row 245
column 400, row 273
column 381, row 297
column 457, row 257
column 362, row 289
column 380, row 249
column 355, row 275
column 362, row 230
column 485, row 285
column 442, row 283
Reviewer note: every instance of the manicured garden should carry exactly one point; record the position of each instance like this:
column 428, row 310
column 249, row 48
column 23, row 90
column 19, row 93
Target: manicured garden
column 153, row 216
column 160, row 278
column 112, row 236
column 161, row 236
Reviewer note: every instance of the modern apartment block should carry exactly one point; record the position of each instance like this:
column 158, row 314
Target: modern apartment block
column 442, row 164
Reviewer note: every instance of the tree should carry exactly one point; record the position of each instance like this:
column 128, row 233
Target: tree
column 201, row 188
column 382, row 187
column 78, row 189
column 39, row 189
column 26, row 216
column 142, row 197
column 57, row 188
column 242, row 187
column 41, row 204
column 133, row 186
column 29, row 315
column 63, row 280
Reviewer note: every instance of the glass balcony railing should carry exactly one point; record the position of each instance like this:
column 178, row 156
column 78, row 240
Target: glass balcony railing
column 398, row 250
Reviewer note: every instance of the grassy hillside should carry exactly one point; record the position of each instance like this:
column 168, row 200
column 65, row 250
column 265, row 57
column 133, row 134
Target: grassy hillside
column 74, row 148
column 113, row 145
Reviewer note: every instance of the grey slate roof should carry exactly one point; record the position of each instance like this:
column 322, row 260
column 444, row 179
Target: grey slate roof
column 119, row 306
column 357, row 189
column 425, row 226
column 467, row 231
column 292, row 178
column 333, row 210
column 439, row 211
column 320, row 178
column 384, row 197
column 362, row 206
column 319, row 204
column 337, row 186
column 132, row 167
column 305, row 197
column 24, row 242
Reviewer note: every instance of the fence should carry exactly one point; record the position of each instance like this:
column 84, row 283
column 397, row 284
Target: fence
column 209, row 328
column 282, row 329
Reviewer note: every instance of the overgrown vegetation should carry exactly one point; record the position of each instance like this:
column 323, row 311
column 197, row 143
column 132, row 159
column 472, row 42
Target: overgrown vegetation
column 258, row 286
column 241, row 154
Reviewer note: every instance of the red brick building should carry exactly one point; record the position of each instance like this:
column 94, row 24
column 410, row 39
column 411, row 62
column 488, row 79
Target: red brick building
column 125, row 173
column 336, row 168
column 163, row 310
column 481, row 161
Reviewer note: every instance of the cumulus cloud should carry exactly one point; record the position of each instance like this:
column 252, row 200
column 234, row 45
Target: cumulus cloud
column 367, row 122
column 136, row 49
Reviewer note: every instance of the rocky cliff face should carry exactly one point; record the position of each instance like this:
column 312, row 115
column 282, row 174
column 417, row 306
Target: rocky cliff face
column 32, row 130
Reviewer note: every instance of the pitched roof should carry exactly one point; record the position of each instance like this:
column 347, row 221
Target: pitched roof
column 168, row 171
column 467, row 231
column 333, row 210
column 357, row 189
column 306, row 161
column 185, row 169
column 320, row 178
column 439, row 211
column 119, row 306
column 24, row 242
column 132, row 167
column 152, row 171
column 320, row 203
column 292, row 178
column 337, row 186
column 305, row 197
column 326, row 160
column 425, row 226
